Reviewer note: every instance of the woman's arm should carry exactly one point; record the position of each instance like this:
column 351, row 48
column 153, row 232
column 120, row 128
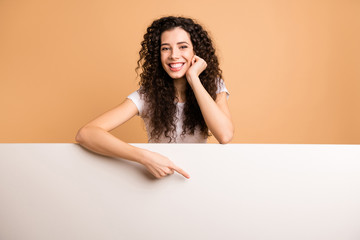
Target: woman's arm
column 95, row 136
column 216, row 113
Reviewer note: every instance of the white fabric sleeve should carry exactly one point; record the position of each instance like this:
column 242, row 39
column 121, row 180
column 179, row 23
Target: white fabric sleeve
column 137, row 99
column 222, row 88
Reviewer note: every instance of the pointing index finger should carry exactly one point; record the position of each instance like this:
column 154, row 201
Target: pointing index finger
column 181, row 171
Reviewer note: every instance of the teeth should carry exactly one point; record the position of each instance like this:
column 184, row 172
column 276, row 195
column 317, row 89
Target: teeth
column 177, row 65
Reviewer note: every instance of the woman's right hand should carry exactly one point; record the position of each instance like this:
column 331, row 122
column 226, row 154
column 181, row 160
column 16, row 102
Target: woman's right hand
column 160, row 166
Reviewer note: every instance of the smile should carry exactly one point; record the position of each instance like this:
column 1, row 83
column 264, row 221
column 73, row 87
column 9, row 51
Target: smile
column 176, row 66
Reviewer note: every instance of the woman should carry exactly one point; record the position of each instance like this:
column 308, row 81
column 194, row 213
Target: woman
column 181, row 97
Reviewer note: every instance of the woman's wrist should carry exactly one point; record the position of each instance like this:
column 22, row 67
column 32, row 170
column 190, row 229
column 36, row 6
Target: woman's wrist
column 192, row 79
column 195, row 83
column 142, row 156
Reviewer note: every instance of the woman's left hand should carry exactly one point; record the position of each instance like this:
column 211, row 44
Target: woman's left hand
column 198, row 65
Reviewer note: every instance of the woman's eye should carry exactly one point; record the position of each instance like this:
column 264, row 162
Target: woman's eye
column 183, row 47
column 164, row 49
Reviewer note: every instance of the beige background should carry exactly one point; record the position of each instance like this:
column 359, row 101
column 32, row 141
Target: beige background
column 292, row 67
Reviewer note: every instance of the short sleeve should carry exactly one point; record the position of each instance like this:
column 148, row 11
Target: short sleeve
column 137, row 100
column 222, row 88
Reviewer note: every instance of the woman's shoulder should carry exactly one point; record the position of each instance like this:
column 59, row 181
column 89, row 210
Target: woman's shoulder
column 138, row 100
column 135, row 95
column 221, row 87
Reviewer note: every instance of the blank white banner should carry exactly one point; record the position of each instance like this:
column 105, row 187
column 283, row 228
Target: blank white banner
column 236, row 191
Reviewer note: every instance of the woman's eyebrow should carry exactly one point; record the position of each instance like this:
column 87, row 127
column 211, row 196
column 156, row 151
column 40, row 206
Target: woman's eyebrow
column 182, row 43
column 177, row 43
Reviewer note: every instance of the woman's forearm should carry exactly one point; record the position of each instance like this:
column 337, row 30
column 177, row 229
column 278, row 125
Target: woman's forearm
column 218, row 122
column 100, row 141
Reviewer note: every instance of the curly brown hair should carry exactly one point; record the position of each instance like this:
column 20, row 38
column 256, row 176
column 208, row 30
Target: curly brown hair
column 158, row 88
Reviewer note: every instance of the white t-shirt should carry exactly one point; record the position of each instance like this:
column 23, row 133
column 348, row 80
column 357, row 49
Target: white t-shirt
column 198, row 137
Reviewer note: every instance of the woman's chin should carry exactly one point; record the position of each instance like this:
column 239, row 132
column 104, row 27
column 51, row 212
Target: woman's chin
column 177, row 76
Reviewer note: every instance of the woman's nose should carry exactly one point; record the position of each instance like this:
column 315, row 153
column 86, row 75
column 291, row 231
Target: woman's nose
column 175, row 53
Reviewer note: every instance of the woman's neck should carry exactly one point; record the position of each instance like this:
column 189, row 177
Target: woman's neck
column 180, row 88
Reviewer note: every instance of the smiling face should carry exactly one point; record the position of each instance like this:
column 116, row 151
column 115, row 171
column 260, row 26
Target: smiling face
column 176, row 52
